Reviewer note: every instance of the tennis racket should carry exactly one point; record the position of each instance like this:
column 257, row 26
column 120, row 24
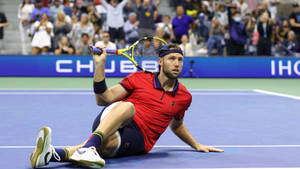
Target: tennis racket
column 142, row 50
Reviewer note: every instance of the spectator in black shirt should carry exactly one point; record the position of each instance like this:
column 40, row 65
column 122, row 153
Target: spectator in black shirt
column 295, row 20
column 3, row 23
column 264, row 28
column 64, row 47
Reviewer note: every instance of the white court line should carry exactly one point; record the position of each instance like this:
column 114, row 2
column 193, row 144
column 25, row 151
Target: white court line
column 181, row 146
column 276, row 94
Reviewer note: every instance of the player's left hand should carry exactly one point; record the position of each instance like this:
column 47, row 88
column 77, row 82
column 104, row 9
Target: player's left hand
column 206, row 149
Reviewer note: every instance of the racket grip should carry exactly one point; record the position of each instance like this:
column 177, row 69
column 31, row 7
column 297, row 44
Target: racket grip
column 99, row 51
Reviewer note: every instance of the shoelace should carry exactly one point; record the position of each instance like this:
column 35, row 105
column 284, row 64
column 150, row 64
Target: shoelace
column 55, row 154
column 94, row 150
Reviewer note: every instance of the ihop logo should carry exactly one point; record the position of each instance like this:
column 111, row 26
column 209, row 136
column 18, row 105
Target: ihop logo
column 285, row 68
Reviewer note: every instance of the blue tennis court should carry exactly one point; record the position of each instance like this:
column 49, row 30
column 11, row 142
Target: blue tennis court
column 257, row 129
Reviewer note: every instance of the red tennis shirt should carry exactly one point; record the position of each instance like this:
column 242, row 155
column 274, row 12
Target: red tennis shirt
column 154, row 107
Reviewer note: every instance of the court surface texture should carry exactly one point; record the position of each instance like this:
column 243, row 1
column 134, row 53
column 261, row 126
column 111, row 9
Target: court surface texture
column 256, row 122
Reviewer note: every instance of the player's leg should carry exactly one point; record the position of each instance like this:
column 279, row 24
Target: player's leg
column 119, row 114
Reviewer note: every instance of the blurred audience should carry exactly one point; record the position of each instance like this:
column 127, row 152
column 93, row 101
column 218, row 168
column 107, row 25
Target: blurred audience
column 83, row 47
column 106, row 42
column 131, row 29
column 147, row 14
column 24, row 11
column 186, row 46
column 43, row 30
column 64, row 47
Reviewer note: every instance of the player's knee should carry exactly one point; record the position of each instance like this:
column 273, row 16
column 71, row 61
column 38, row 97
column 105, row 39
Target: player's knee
column 129, row 107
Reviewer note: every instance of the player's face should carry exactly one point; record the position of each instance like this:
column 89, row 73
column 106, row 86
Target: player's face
column 171, row 65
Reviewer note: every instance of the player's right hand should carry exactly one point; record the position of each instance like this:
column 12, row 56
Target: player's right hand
column 100, row 58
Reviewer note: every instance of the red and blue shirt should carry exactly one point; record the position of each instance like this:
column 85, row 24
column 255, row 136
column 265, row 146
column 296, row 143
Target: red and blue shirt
column 155, row 108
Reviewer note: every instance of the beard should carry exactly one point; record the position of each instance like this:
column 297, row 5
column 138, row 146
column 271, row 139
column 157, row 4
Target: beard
column 169, row 74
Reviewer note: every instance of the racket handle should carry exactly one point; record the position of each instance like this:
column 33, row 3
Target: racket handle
column 99, row 51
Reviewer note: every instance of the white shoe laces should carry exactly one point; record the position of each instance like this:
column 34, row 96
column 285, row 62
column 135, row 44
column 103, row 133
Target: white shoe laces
column 55, row 154
column 94, row 150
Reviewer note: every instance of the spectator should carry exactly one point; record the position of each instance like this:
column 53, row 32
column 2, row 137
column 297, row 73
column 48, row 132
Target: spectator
column 3, row 23
column 265, row 27
column 159, row 32
column 272, row 4
column 61, row 28
column 42, row 37
column 282, row 31
column 221, row 13
column 84, row 26
column 252, row 34
column 216, row 39
column 167, row 38
column 115, row 19
column 147, row 50
column 291, row 46
column 24, row 11
column 186, row 46
column 106, row 42
column 147, row 14
column 83, row 47
column 295, row 20
column 181, row 23
column 64, row 47
column 38, row 11
column 68, row 8
column 243, row 6
column 238, row 34
column 98, row 35
column 76, row 12
column 131, row 29
column 167, row 26
column 203, row 23
column 94, row 17
column 54, row 9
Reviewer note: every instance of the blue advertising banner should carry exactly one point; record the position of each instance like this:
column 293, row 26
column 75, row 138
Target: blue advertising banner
column 118, row 66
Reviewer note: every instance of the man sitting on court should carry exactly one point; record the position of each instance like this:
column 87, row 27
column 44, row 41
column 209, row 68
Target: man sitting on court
column 138, row 110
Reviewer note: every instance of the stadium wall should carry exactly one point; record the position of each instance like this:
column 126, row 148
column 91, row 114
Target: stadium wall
column 117, row 66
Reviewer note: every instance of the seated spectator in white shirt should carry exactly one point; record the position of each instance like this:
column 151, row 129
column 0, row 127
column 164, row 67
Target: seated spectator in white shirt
column 166, row 25
column 131, row 29
column 186, row 46
column 106, row 42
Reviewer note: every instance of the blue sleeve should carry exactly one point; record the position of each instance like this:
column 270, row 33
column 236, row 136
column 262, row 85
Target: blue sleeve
column 32, row 16
column 47, row 11
column 191, row 19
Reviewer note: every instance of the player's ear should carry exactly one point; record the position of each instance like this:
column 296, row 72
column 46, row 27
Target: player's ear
column 160, row 61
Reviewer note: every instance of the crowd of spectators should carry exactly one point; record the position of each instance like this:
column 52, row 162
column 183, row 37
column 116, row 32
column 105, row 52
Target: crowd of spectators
column 200, row 27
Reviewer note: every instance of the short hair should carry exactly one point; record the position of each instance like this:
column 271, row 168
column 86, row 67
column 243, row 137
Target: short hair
column 291, row 32
column 84, row 34
column 132, row 14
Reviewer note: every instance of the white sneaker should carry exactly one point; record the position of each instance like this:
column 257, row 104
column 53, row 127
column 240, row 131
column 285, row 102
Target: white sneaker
column 43, row 150
column 202, row 51
column 88, row 157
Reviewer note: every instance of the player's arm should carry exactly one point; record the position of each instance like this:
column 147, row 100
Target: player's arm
column 103, row 94
column 180, row 130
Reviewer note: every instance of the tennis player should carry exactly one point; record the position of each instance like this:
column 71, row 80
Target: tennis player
column 137, row 111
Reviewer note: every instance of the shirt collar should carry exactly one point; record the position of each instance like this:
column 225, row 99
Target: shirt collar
column 157, row 85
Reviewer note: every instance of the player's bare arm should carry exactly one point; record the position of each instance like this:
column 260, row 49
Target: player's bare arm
column 180, row 130
column 111, row 94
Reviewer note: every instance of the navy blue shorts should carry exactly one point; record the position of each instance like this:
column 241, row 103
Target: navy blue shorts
column 132, row 139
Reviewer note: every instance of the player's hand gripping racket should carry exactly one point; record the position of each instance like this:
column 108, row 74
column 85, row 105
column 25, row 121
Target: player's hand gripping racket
column 145, row 47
